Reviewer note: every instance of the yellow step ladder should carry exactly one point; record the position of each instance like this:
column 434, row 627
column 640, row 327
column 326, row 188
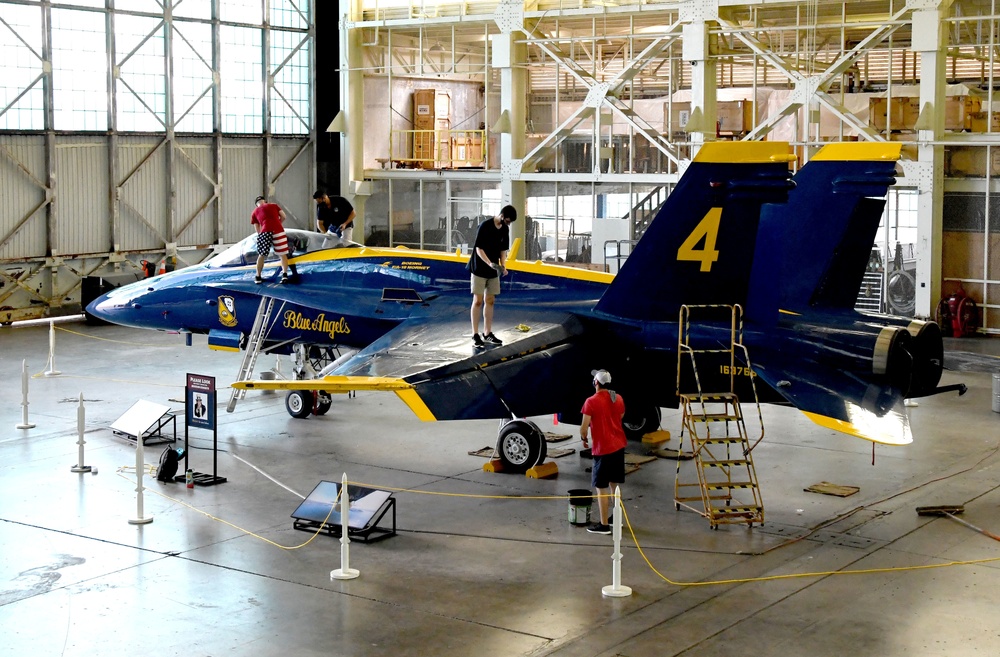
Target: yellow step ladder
column 725, row 490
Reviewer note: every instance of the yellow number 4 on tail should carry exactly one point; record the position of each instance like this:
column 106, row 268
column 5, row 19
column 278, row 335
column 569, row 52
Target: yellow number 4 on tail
column 707, row 228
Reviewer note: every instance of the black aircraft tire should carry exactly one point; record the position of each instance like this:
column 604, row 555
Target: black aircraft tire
column 324, row 401
column 521, row 445
column 645, row 418
column 299, row 403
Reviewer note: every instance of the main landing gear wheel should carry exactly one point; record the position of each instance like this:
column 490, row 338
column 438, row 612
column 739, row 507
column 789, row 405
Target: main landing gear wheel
column 521, row 445
column 645, row 418
column 324, row 401
column 299, row 403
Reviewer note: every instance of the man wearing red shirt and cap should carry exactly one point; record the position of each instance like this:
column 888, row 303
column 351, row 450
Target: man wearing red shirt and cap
column 603, row 412
column 268, row 219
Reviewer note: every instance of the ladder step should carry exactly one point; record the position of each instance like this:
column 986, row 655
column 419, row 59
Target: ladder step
column 728, row 485
column 708, row 396
column 726, row 463
column 737, row 510
column 713, row 417
column 726, row 440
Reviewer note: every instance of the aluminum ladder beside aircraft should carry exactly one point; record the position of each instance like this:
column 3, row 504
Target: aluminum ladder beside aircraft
column 716, row 429
column 254, row 342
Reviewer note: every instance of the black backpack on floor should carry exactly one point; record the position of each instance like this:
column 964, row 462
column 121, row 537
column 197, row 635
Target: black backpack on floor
column 169, row 460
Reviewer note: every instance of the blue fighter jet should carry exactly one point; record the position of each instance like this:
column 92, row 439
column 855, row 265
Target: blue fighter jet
column 741, row 252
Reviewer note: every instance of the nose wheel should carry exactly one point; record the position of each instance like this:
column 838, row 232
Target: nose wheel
column 301, row 403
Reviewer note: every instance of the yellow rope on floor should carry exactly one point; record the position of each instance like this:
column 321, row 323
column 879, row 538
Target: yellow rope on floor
column 151, row 469
column 628, row 523
column 94, row 337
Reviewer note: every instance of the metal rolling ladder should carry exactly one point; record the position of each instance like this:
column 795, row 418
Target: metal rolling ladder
column 254, row 342
column 717, row 432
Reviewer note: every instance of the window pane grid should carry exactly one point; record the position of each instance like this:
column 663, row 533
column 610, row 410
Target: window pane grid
column 21, row 68
column 290, row 13
column 143, row 100
column 79, row 70
column 242, row 11
column 242, row 83
column 141, row 86
column 290, row 109
column 192, row 50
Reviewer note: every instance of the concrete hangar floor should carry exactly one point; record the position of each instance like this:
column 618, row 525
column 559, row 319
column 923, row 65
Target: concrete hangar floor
column 487, row 568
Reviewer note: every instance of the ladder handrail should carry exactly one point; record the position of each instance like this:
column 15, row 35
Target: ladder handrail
column 756, row 399
column 254, row 342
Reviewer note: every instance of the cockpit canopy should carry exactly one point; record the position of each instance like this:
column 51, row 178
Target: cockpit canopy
column 300, row 242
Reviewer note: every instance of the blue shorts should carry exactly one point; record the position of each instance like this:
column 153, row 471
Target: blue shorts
column 608, row 469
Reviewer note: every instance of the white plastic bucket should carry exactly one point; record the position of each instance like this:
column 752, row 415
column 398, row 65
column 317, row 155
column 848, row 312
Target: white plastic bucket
column 996, row 393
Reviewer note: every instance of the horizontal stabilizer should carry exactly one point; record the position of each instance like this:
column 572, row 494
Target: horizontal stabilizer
column 838, row 400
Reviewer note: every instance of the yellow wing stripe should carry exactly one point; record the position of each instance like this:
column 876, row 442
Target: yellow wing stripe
column 332, row 384
column 344, row 384
column 416, row 404
column 851, row 430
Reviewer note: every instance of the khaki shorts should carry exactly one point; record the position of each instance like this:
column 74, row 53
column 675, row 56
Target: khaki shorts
column 491, row 286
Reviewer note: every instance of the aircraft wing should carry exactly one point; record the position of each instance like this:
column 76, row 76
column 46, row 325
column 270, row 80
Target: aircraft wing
column 837, row 400
column 431, row 365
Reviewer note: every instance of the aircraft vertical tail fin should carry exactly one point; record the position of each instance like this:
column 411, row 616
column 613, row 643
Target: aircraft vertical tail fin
column 699, row 247
column 818, row 243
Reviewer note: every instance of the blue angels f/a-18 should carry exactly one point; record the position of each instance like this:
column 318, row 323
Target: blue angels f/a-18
column 783, row 258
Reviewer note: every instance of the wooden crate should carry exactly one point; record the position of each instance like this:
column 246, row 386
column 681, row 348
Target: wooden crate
column 899, row 113
column 958, row 111
column 735, row 117
column 978, row 122
column 467, row 151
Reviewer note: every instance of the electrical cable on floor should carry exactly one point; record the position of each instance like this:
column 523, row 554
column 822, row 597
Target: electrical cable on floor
column 847, row 514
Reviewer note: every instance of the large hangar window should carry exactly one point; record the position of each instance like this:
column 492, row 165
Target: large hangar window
column 165, row 70
column 21, row 82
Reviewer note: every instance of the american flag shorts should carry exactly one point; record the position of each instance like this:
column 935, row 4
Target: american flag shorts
column 266, row 240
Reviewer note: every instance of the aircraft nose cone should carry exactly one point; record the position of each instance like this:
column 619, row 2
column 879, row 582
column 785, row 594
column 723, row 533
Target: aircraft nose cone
column 102, row 308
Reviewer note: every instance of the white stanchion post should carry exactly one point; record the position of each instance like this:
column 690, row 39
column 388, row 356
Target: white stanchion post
column 81, row 421
column 52, row 371
column 617, row 589
column 345, row 571
column 24, row 398
column 140, row 467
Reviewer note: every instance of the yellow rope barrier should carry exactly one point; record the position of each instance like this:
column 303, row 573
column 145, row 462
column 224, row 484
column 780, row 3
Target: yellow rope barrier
column 226, row 522
column 628, row 523
column 94, row 337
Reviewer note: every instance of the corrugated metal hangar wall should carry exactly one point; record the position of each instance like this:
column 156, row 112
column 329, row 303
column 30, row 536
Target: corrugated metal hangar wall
column 144, row 134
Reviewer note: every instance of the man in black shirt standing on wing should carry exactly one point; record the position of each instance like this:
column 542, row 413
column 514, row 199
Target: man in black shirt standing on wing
column 487, row 265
